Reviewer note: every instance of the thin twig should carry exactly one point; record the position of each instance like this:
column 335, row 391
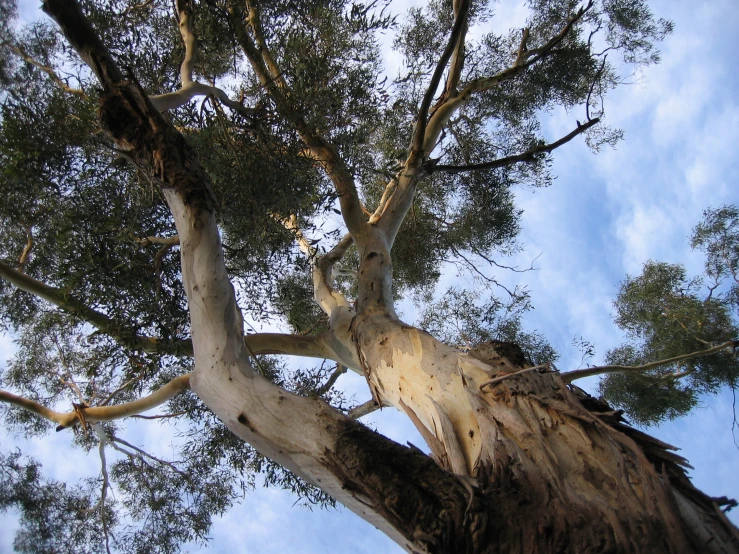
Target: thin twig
column 543, row 368
column 338, row 372
column 142, row 452
column 582, row 373
column 160, row 416
column 527, row 156
column 104, row 439
column 45, row 68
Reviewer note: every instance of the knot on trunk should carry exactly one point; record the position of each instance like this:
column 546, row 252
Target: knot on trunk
column 492, row 352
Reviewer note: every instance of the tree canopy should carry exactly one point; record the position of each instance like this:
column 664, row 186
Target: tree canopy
column 283, row 103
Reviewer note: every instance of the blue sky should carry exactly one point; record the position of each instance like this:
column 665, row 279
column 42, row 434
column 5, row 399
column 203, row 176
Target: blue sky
column 603, row 217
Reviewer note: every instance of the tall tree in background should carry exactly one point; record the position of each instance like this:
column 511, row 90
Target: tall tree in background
column 228, row 132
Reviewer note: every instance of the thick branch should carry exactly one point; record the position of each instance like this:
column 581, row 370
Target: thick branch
column 460, row 24
column 364, row 409
column 582, row 373
column 457, row 62
column 527, row 156
column 309, row 346
column 102, row 322
column 191, row 88
column 101, row 413
column 322, row 151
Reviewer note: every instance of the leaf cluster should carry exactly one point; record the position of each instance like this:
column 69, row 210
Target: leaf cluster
column 666, row 314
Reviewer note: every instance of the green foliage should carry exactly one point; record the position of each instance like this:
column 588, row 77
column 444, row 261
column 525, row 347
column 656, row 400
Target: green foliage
column 85, row 213
column 718, row 237
column 459, row 318
column 54, row 517
column 666, row 314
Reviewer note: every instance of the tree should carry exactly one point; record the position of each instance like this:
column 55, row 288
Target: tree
column 434, row 157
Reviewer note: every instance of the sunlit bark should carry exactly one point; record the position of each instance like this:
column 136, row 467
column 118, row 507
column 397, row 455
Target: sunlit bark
column 520, row 465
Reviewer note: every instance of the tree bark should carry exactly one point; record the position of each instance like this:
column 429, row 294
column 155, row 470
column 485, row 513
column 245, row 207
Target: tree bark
column 555, row 476
column 521, row 466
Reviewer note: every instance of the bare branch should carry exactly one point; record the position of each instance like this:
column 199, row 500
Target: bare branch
column 457, row 61
column 103, row 437
column 191, row 88
column 291, row 224
column 144, row 453
column 164, row 241
column 527, row 156
column 160, row 416
column 364, row 409
column 532, row 56
column 101, row 413
column 327, row 297
column 582, row 373
column 116, row 392
column 46, row 69
column 26, row 249
column 338, row 372
column 32, row 406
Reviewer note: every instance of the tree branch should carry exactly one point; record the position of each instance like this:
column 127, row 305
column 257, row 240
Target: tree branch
column 23, row 259
column 426, row 134
column 271, row 77
column 164, row 241
column 102, row 322
column 101, row 413
column 191, row 88
column 104, row 439
column 582, row 373
column 524, row 59
column 327, row 297
column 311, row 346
column 457, row 34
column 363, row 409
column 20, row 51
column 527, row 156
column 457, row 61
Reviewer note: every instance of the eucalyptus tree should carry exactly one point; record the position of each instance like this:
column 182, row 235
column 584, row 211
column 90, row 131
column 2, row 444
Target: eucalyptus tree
column 168, row 170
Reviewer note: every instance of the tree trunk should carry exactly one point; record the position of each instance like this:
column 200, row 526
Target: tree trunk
column 520, row 464
column 555, row 476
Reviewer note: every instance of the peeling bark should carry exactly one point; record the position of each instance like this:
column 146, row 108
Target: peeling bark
column 560, row 478
column 522, row 465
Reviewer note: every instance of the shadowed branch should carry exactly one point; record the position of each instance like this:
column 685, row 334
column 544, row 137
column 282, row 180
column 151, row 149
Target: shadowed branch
column 582, row 373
